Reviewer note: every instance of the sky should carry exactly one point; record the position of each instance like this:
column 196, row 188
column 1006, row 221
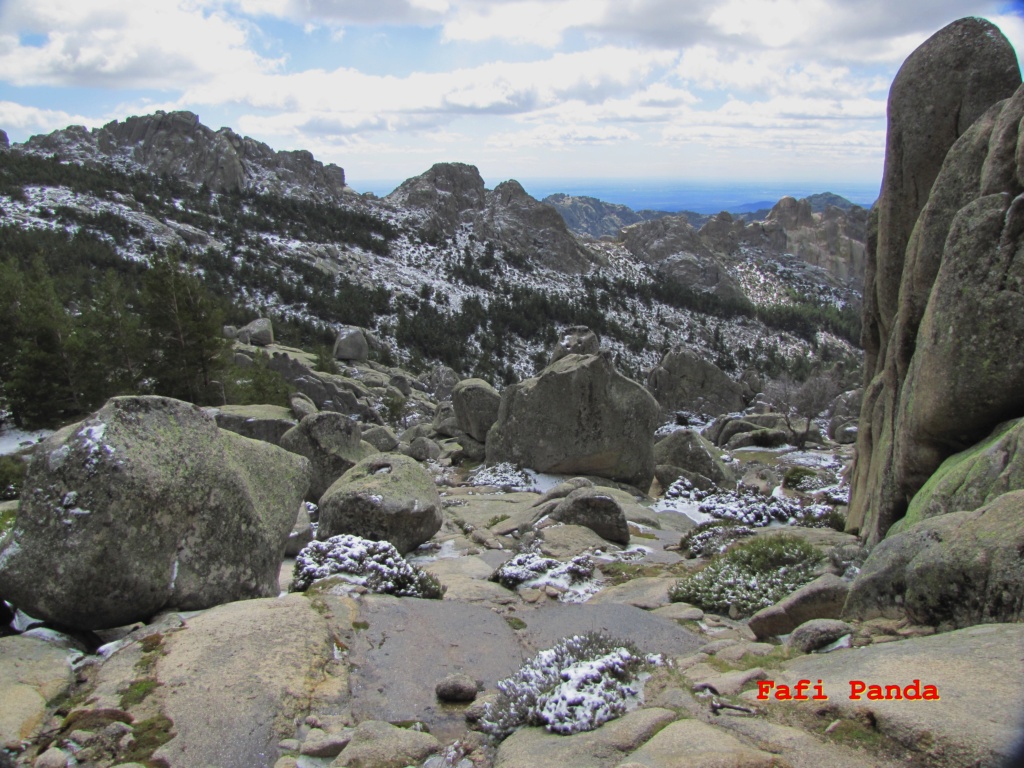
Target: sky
column 694, row 90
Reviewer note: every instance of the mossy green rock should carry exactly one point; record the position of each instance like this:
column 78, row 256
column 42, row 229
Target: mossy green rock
column 386, row 497
column 972, row 478
column 956, row 569
column 579, row 416
column 260, row 422
column 146, row 506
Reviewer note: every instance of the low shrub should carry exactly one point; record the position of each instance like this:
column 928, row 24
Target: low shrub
column 750, row 576
column 530, row 567
column 376, row 565
column 752, row 508
column 713, row 537
column 579, row 684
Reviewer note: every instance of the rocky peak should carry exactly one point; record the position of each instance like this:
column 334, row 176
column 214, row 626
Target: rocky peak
column 451, row 195
column 590, row 216
column 178, row 145
column 792, row 213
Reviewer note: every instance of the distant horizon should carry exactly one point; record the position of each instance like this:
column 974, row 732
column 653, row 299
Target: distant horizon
column 671, row 195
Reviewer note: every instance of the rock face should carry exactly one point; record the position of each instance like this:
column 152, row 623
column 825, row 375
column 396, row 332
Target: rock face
column 144, row 506
column 580, row 416
column 333, row 444
column 32, row 674
column 388, row 497
column 476, row 407
column 942, row 301
column 834, row 240
column 956, row 569
column 685, row 380
column 687, row 450
column 452, row 194
column 178, row 145
column 260, row 422
column 588, row 215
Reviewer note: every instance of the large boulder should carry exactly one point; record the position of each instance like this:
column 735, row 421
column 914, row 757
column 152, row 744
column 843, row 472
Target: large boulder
column 823, row 598
column 579, row 416
column 259, row 333
column 476, row 407
column 685, row 380
column 333, row 444
column 350, row 344
column 953, row 570
column 387, row 497
column 687, row 450
column 939, row 305
column 595, row 509
column 145, row 506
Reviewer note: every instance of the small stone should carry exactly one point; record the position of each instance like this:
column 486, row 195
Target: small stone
column 287, row 762
column 52, row 758
column 320, row 743
column 817, row 633
column 288, row 745
column 456, row 688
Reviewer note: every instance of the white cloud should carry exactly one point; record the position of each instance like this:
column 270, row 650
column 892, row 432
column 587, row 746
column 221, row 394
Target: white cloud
column 31, row 120
column 122, row 44
column 562, row 137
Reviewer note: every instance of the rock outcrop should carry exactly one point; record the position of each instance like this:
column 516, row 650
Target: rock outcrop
column 590, row 216
column 145, row 506
column 451, row 195
column 579, row 416
column 176, row 144
column 387, row 497
column 942, row 301
column 577, row 340
column 685, row 380
column 476, row 407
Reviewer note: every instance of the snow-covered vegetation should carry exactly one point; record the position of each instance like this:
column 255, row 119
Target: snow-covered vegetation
column 579, row 684
column 573, row 580
column 755, row 509
column 752, row 575
column 376, row 565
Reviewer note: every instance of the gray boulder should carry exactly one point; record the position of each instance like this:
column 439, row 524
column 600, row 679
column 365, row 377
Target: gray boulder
column 843, row 412
column 302, row 405
column 445, row 423
column 381, row 438
column 333, row 444
column 577, row 340
column 259, row 333
column 597, row 510
column 441, row 381
column 579, row 416
column 685, row 380
column 387, row 497
column 817, row 633
column 687, row 450
column 350, row 344
column 953, row 570
column 423, row 449
column 476, row 407
column 147, row 506
column 823, row 598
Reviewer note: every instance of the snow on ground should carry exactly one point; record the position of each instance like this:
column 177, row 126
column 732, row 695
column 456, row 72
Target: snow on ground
column 13, row 440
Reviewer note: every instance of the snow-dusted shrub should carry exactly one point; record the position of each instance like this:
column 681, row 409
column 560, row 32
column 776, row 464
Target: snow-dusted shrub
column 752, row 508
column 684, row 489
column 376, row 565
column 505, row 475
column 530, row 567
column 579, row 684
column 750, row 576
column 713, row 537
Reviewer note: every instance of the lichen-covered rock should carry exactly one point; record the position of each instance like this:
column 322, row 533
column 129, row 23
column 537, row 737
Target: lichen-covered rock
column 333, row 444
column 386, row 497
column 957, row 569
column 687, row 450
column 822, row 598
column 145, row 506
column 685, row 380
column 579, row 416
column 382, row 438
column 817, row 633
column 595, row 509
column 476, row 407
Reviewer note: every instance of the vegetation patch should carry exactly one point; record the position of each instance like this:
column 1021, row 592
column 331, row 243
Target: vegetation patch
column 376, row 565
column 137, row 691
column 531, row 569
column 12, row 477
column 150, row 735
column 515, row 622
column 752, row 508
column 750, row 576
column 579, row 684
column 713, row 537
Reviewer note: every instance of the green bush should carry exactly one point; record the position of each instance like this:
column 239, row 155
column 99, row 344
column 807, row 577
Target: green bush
column 750, row 576
column 796, row 475
column 12, row 476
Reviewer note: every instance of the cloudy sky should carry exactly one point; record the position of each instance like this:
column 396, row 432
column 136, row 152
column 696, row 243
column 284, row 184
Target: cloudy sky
column 747, row 90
